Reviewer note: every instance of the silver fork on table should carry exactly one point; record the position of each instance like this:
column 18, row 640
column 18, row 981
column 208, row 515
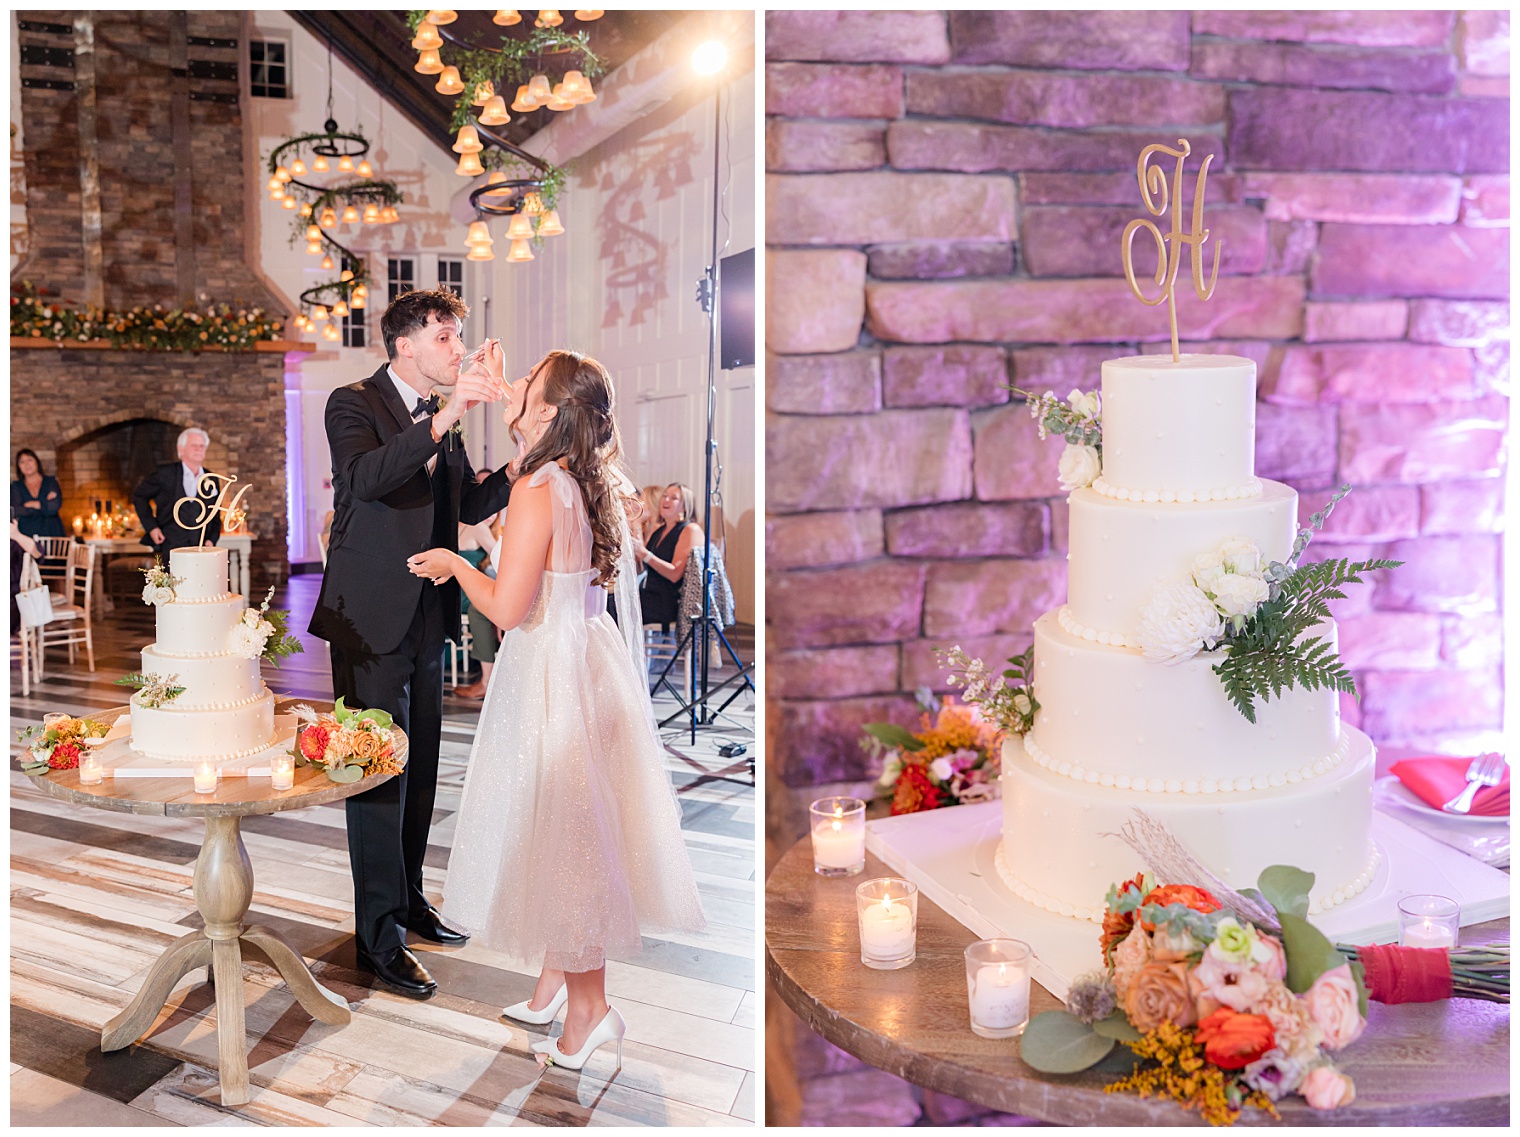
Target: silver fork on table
column 1485, row 770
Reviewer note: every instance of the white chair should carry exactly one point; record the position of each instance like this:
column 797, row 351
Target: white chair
column 459, row 650
column 70, row 625
column 24, row 641
column 53, row 564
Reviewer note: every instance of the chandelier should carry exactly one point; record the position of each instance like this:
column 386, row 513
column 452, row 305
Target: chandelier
column 519, row 186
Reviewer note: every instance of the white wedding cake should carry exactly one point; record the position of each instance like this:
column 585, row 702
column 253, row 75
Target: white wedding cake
column 1116, row 731
column 224, row 711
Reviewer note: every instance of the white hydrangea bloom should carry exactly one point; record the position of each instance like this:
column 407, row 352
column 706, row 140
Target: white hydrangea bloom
column 247, row 642
column 1079, row 467
column 1178, row 621
column 1239, row 594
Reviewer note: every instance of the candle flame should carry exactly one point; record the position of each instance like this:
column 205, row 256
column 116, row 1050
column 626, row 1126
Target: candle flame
column 886, row 904
column 1002, row 971
column 836, row 826
column 838, row 812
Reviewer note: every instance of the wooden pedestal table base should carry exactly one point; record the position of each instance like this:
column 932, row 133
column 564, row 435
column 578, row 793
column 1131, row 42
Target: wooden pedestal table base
column 223, row 892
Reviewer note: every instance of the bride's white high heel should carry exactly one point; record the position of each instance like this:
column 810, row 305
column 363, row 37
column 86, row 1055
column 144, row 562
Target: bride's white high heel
column 610, row 1029
column 524, row 1014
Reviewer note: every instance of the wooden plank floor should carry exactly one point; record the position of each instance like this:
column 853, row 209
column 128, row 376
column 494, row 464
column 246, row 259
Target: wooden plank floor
column 95, row 896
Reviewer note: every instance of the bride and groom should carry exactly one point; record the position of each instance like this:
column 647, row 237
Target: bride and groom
column 568, row 840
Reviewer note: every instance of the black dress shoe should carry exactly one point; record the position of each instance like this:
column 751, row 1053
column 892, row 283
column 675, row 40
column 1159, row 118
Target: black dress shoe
column 430, row 926
column 401, row 973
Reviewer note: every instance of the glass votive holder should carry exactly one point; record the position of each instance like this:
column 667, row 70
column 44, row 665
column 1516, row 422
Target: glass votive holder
column 205, row 778
column 91, row 772
column 997, row 985
column 839, row 835
column 282, row 772
column 888, row 912
column 1428, row 921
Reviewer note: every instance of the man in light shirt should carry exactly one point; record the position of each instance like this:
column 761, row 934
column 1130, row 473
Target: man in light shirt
column 156, row 494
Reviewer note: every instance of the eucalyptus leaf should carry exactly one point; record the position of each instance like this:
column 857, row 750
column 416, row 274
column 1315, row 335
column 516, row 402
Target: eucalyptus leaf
column 1117, row 1027
column 1309, row 953
column 893, row 735
column 1121, row 1061
column 35, row 767
column 1286, row 888
column 346, row 774
column 1059, row 1043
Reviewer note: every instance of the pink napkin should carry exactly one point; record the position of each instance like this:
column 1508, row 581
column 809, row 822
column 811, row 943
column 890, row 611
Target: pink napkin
column 1436, row 781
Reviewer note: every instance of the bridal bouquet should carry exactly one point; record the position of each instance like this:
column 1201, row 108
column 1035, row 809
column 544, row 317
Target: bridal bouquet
column 59, row 742
column 952, row 759
column 347, row 745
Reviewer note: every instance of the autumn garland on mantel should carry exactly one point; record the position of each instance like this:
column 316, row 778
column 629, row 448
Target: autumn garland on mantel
column 142, row 328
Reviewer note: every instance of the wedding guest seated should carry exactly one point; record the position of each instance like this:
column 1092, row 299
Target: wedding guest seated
column 665, row 554
column 36, row 497
column 155, row 496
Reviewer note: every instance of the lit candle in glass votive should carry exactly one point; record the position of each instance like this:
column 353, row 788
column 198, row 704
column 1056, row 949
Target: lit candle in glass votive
column 91, row 772
column 78, row 526
column 888, row 913
column 839, row 835
column 205, row 778
column 282, row 772
column 1428, row 921
column 997, row 983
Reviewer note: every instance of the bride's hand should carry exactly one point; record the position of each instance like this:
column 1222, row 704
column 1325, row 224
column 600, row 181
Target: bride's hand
column 436, row 565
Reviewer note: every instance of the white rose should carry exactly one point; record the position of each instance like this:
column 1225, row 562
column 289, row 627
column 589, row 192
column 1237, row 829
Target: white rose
column 1021, row 704
column 265, row 629
column 1241, row 555
column 941, row 769
column 157, row 594
column 1084, row 406
column 891, row 770
column 1239, row 595
column 1177, row 622
column 246, row 642
column 250, row 618
column 1079, row 466
column 1208, row 569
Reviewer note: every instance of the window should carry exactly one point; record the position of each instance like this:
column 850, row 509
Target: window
column 268, row 69
column 353, row 323
column 400, row 276
column 451, row 275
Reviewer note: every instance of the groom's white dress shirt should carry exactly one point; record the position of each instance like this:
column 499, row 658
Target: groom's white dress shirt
column 409, row 398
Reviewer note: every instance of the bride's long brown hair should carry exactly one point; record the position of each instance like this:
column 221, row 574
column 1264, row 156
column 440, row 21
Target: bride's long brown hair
column 583, row 432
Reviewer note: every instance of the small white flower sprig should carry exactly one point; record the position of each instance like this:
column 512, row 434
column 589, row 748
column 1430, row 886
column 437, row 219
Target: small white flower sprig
column 1079, row 420
column 262, row 633
column 158, row 585
column 153, row 689
column 1007, row 699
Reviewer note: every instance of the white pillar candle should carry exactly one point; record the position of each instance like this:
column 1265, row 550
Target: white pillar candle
column 1000, row 997
column 91, row 773
column 886, row 929
column 282, row 772
column 1428, row 921
column 205, row 778
column 1429, row 934
column 837, row 844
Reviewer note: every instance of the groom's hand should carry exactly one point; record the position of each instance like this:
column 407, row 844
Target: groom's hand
column 475, row 386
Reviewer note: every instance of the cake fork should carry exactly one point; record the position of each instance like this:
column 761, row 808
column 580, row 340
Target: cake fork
column 1485, row 770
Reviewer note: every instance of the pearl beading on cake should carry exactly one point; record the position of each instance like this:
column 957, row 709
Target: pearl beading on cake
column 222, row 599
column 1092, row 635
column 1225, row 493
column 1341, row 895
column 231, row 757
column 1078, row 773
column 176, row 705
column 1039, row 899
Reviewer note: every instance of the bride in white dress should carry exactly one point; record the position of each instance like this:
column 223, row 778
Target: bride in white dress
column 568, row 843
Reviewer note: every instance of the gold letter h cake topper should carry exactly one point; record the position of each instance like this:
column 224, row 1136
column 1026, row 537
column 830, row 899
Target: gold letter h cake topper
column 1153, row 191
column 231, row 511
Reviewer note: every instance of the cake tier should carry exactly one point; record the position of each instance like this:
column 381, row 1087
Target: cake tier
column 214, row 682
column 180, row 734
column 203, row 572
column 1061, row 850
column 1108, row 716
column 1120, row 549
column 1183, row 431
column 198, row 628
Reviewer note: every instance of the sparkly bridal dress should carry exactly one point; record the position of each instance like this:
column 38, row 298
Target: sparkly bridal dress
column 568, row 842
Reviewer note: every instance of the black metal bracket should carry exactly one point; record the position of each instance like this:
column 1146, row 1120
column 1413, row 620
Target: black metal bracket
column 35, row 55
column 49, row 84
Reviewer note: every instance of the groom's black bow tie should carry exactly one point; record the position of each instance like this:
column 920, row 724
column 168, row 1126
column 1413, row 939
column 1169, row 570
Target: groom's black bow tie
column 428, row 405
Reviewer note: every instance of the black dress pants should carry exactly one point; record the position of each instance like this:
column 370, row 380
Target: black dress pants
column 388, row 825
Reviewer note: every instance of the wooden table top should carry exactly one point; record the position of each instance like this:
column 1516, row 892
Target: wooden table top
column 234, row 796
column 1428, row 1064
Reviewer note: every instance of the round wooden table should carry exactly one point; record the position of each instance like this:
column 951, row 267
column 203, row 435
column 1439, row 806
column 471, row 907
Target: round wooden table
column 223, row 891
column 1416, row 1064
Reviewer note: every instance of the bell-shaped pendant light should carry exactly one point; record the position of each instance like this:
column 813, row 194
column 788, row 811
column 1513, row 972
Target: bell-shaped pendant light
column 277, row 194
column 313, row 232
column 327, row 263
column 273, row 186
column 429, row 63
column 314, row 247
column 483, row 92
column 306, row 209
column 519, row 252
column 330, row 332
column 533, row 204
column 319, row 313
column 480, row 234
column 346, row 164
column 357, row 301
column 467, row 141
column 340, row 309
column 539, row 90
column 350, row 214
column 288, row 202
column 506, row 17
column 480, row 253
column 371, row 214
column 297, row 168
column 319, row 164
column 365, row 169
column 559, row 102
column 549, row 226
column 584, row 93
column 427, row 37
column 494, row 113
column 548, row 18
column 329, row 217
column 589, row 13
column 469, row 166
column 441, row 16
column 282, row 175
column 524, row 102
column 449, row 83
column 346, row 275
column 520, row 228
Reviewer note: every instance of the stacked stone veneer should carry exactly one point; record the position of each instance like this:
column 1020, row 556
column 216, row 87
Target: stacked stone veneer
column 944, row 202
column 147, row 255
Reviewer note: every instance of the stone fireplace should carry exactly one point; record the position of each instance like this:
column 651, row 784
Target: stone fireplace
column 138, row 192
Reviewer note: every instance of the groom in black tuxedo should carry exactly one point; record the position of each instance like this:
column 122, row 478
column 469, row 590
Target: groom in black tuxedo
column 401, row 484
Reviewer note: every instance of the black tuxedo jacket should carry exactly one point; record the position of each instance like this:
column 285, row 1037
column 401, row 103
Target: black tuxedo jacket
column 162, row 488
column 383, row 513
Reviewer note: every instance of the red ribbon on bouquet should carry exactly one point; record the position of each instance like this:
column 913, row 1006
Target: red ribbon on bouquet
column 1397, row 974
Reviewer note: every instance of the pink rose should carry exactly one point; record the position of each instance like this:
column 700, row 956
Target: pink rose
column 1216, row 982
column 1332, row 1005
column 1325, row 1087
column 1275, row 966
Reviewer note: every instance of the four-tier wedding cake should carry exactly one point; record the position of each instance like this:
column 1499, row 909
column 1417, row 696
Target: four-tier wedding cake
column 1116, row 731
column 224, row 710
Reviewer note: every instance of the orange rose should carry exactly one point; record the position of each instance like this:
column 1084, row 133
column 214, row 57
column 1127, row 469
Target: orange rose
column 367, row 746
column 1232, row 1041
column 1198, row 899
column 1160, row 994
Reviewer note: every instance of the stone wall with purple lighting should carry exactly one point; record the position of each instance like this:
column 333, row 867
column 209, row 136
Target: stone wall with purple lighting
column 945, row 196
